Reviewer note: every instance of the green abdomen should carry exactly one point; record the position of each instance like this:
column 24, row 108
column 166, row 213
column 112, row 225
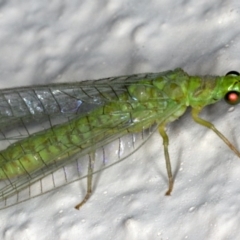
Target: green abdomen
column 55, row 144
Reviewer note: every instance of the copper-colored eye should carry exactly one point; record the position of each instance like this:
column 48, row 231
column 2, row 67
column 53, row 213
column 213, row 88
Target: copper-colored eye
column 232, row 97
column 233, row 73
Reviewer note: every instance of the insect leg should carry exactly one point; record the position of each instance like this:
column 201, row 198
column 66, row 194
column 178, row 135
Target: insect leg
column 164, row 135
column 89, row 180
column 197, row 119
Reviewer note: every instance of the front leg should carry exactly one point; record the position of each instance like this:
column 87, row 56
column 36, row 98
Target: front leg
column 197, row 119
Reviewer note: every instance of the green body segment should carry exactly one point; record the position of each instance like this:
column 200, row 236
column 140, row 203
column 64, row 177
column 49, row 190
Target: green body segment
column 144, row 103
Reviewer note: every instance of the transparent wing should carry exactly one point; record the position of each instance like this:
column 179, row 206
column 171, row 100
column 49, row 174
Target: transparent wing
column 26, row 110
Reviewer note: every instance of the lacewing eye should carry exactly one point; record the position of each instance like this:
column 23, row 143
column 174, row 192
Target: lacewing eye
column 233, row 73
column 232, row 97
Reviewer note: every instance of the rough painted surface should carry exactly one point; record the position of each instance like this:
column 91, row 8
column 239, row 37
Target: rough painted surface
column 42, row 41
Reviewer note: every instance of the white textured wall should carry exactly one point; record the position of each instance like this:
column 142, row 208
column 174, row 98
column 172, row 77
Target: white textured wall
column 49, row 41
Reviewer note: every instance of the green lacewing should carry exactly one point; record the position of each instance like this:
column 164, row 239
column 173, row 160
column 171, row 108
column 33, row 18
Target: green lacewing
column 61, row 131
